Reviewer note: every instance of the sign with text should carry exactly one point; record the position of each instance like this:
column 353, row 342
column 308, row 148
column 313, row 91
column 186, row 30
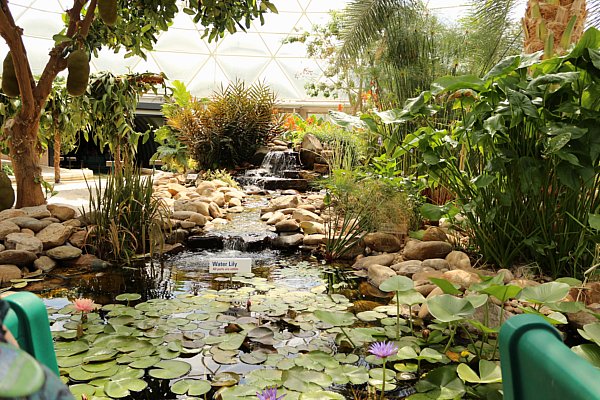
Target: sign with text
column 230, row 265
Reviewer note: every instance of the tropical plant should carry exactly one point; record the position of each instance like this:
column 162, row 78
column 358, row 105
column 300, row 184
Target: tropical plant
column 124, row 217
column 227, row 130
column 527, row 171
column 112, row 103
column 219, row 174
column 131, row 25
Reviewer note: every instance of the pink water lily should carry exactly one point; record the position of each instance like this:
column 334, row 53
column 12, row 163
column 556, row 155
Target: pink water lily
column 383, row 349
column 85, row 305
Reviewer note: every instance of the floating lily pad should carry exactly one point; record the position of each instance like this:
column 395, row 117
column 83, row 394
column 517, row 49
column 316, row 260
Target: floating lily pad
column 128, row 297
column 122, row 388
column 192, row 387
column 170, row 369
column 256, row 357
column 225, row 379
column 321, row 395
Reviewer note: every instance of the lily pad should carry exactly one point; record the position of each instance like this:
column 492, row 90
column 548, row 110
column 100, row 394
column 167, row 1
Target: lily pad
column 170, row 369
column 489, row 372
column 192, row 387
column 255, row 357
column 335, row 318
column 123, row 388
column 397, row 283
column 448, row 308
column 545, row 293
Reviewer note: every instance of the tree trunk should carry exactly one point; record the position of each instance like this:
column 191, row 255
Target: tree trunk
column 23, row 145
column 553, row 25
column 56, row 156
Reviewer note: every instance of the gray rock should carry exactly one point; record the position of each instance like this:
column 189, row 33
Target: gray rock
column 30, row 223
column 417, row 250
column 22, row 258
column 286, row 241
column 7, row 227
column 458, row 260
column 37, row 211
column 311, row 148
column 379, row 273
column 22, row 241
column 64, row 253
column 11, row 213
column 45, row 263
column 383, row 242
column 436, row 263
column 177, row 236
column 287, row 225
column 181, row 215
column 8, row 272
column 63, row 213
column 54, row 235
column 7, row 193
column 408, row 268
column 382, row 259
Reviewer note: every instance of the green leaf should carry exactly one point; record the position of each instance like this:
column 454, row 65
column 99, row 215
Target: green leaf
column 448, row 308
column 442, row 383
column 594, row 221
column 590, row 352
column 123, row 388
column 397, row 283
column 489, row 372
column 545, row 293
column 432, row 212
column 335, row 318
column 192, row 387
column 170, row 369
column 501, row 292
column 482, row 181
column 503, row 68
column 446, row 286
column 591, row 332
column 452, row 83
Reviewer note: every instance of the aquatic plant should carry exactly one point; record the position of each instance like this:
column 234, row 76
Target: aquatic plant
column 269, row 394
column 383, row 350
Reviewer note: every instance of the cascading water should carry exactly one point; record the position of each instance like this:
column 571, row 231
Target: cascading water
column 278, row 170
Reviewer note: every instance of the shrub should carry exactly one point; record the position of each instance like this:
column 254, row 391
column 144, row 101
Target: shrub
column 124, row 218
column 228, row 129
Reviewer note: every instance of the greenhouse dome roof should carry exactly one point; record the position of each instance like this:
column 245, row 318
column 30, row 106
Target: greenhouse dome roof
column 182, row 54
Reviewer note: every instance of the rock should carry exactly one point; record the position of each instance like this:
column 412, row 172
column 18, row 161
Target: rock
column 353, row 250
column 308, row 207
column 234, row 202
column 276, row 217
column 198, row 219
column 7, row 193
column 28, row 232
column 22, row 258
column 425, row 289
column 382, row 259
column 408, row 268
column 311, row 227
column 37, row 211
column 314, row 239
column 205, row 188
column 45, row 263
column 187, row 224
column 436, row 263
column 235, row 210
column 286, row 241
column 383, row 242
column 63, row 213
column 54, row 235
column 579, row 319
column 301, row 215
column 287, row 211
column 462, row 278
column 523, row 283
column 85, row 262
column 493, row 316
column 182, row 215
column 21, row 241
column 30, row 223
column 259, row 155
column 177, row 236
column 175, row 188
column 287, row 225
column 507, row 275
column 7, row 227
column 458, row 260
column 64, row 253
column 310, row 149
column 379, row 273
column 215, row 211
column 422, row 278
column 417, row 250
column 77, row 239
column 321, row 168
column 368, row 290
column 290, row 201
column 11, row 213
column 73, row 223
column 2, row 248
column 218, row 198
column 8, row 272
column 433, row 234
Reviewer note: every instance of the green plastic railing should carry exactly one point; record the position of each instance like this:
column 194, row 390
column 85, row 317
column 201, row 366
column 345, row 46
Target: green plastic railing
column 536, row 365
column 28, row 322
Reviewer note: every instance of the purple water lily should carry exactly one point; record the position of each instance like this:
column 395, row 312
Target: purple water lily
column 383, row 349
column 269, row 394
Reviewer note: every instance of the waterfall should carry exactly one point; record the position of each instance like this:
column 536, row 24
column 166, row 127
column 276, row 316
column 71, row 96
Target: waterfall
column 276, row 163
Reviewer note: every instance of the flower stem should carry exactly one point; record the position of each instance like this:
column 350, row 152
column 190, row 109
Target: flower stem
column 383, row 383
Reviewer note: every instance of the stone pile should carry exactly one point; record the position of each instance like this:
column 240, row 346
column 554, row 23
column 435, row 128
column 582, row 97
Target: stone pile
column 33, row 240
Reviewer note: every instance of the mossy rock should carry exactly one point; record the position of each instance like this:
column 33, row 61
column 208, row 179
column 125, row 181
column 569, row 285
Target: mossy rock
column 108, row 11
column 79, row 72
column 7, row 193
column 10, row 85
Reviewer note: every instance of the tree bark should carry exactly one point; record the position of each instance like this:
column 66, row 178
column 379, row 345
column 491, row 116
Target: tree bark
column 56, row 156
column 25, row 156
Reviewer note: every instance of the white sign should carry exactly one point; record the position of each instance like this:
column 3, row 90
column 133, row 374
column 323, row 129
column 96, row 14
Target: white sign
column 230, row 265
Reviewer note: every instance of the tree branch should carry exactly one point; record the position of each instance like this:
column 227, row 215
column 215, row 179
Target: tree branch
column 13, row 35
column 57, row 61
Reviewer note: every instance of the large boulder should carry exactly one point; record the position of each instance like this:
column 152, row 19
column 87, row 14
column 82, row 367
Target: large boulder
column 23, row 241
column 22, row 258
column 286, row 241
column 54, row 235
column 417, row 250
column 310, row 227
column 408, row 268
column 458, row 260
column 63, row 213
column 301, row 215
column 8, row 272
column 45, row 263
column 7, row 193
column 8, row 227
column 64, row 253
column 287, row 225
column 37, row 211
column 383, row 242
column 382, row 259
column 311, row 148
column 314, row 239
column 11, row 213
column 379, row 273
column 434, row 233
column 279, row 203
column 30, row 223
